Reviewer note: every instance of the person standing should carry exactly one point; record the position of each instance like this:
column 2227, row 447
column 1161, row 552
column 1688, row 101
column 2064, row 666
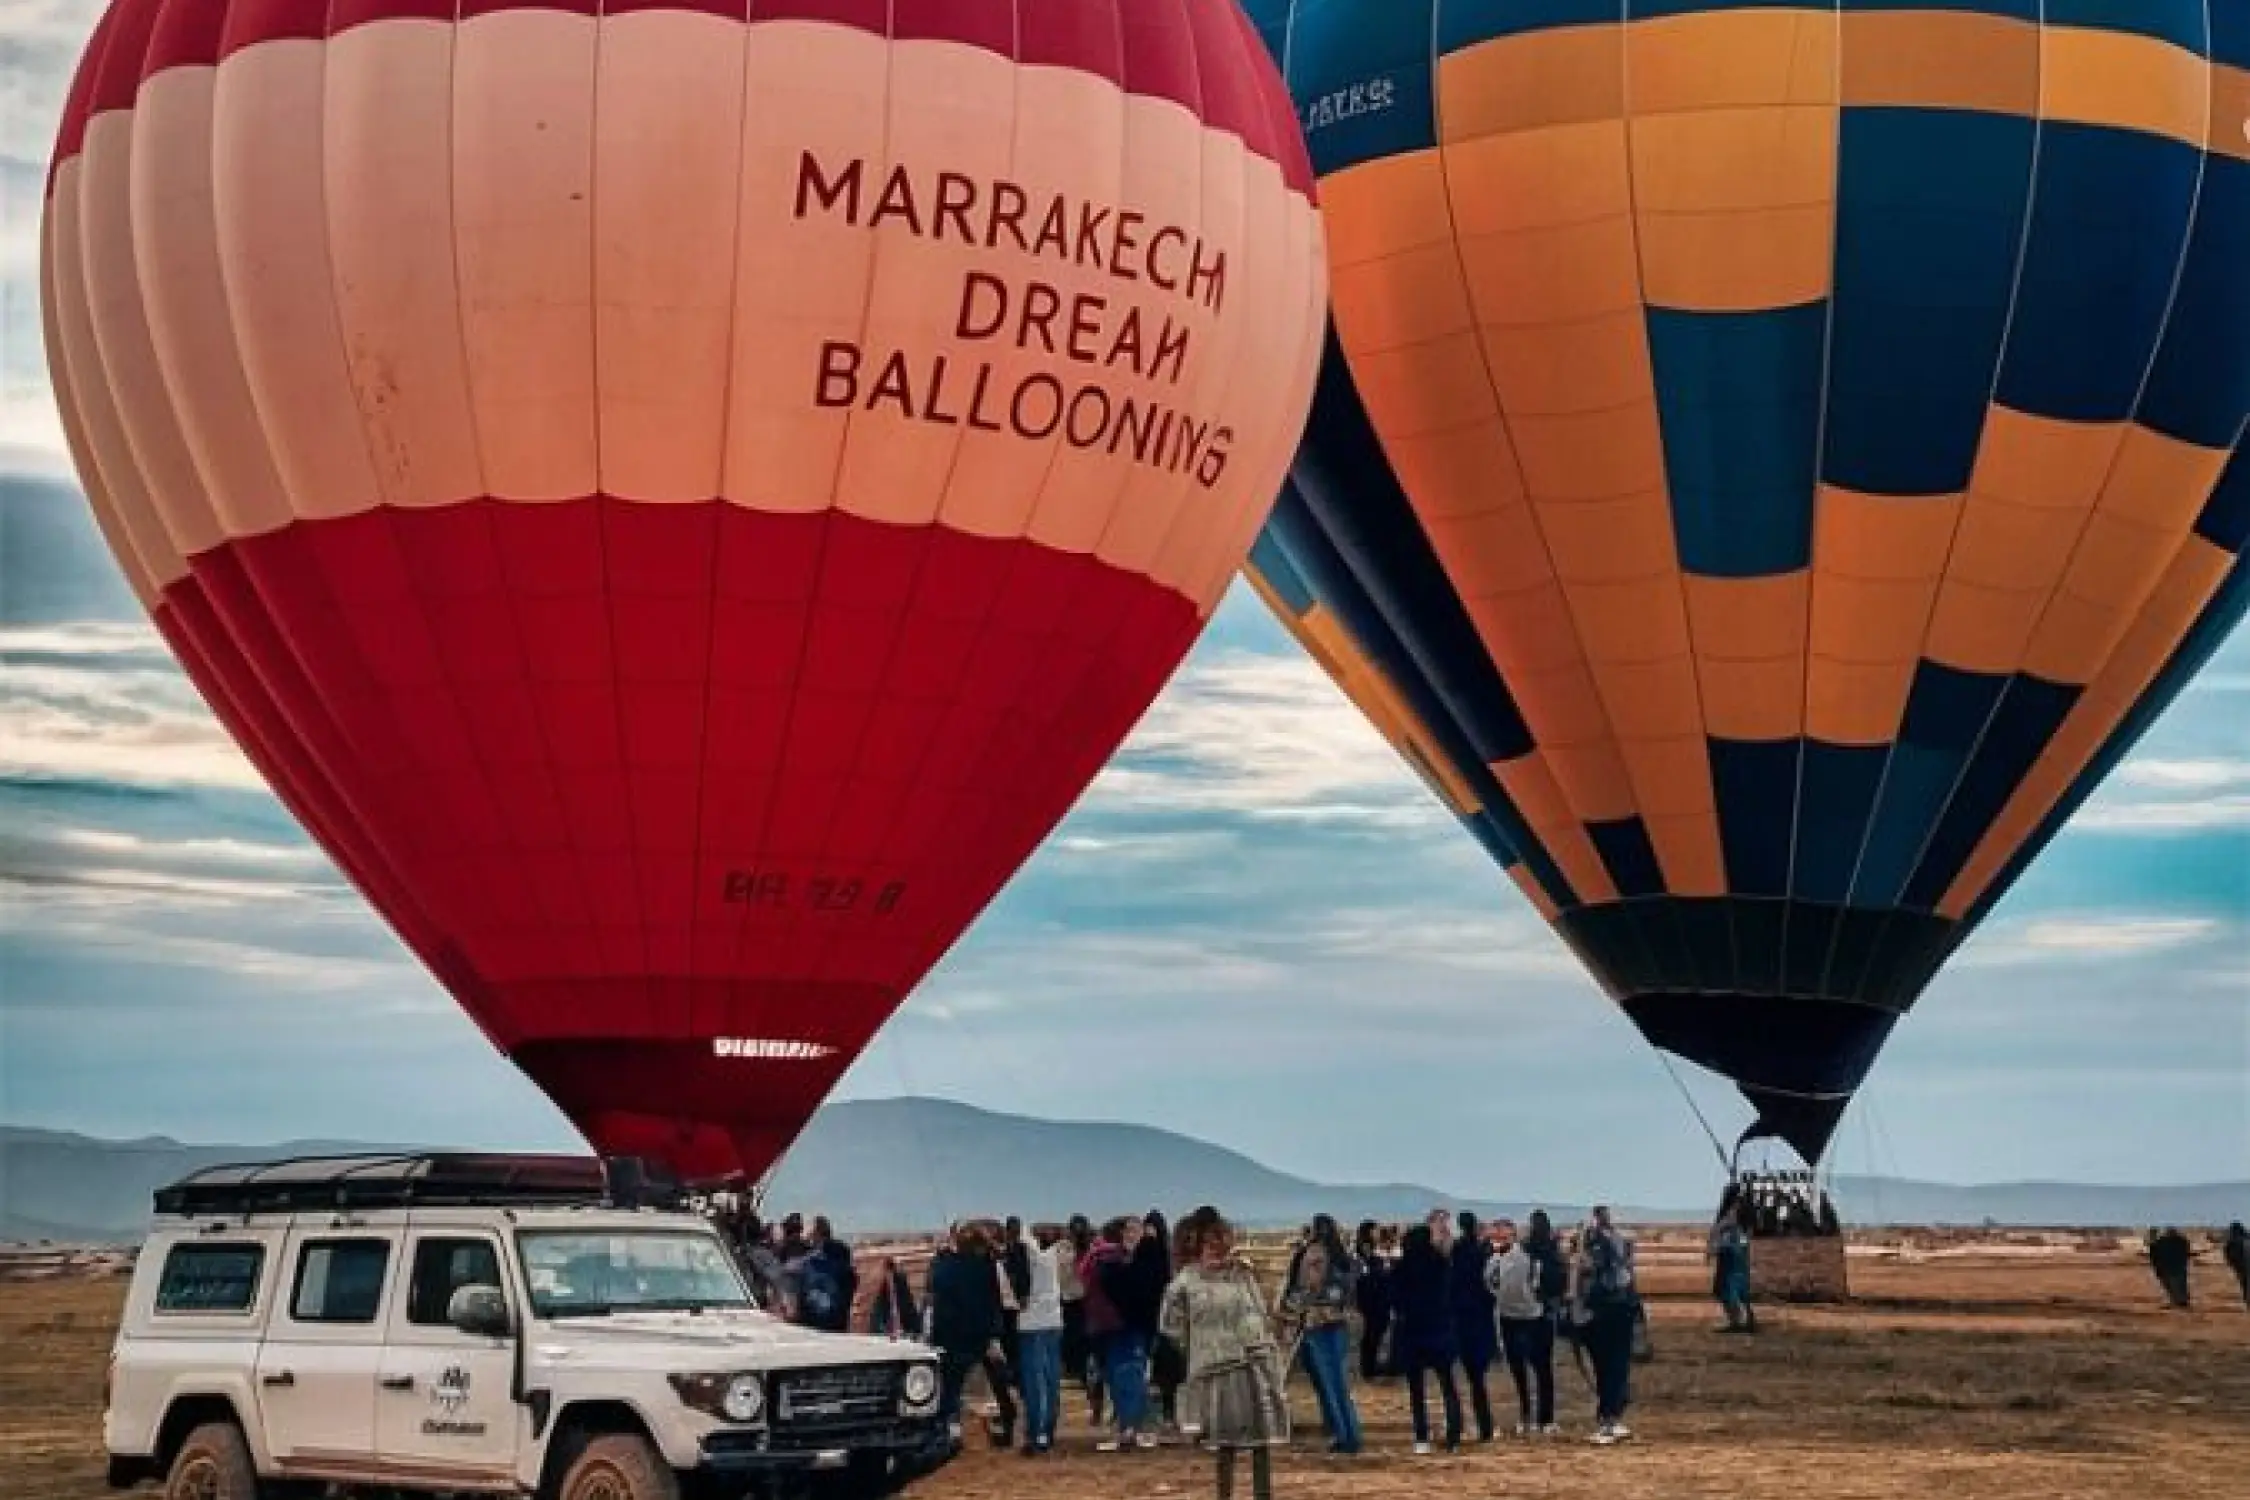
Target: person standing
column 1215, row 1311
column 1109, row 1268
column 1319, row 1300
column 1372, row 1291
column 1077, row 1350
column 2170, row 1256
column 1476, row 1332
column 1152, row 1273
column 1527, row 1327
column 1039, row 1334
column 963, row 1318
column 1422, row 1332
column 1729, row 1250
column 891, row 1312
column 1607, row 1300
column 2236, row 1250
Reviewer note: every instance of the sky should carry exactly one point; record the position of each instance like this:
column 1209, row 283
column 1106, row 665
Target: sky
column 1257, row 928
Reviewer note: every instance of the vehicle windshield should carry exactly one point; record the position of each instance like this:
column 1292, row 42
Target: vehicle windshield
column 579, row 1273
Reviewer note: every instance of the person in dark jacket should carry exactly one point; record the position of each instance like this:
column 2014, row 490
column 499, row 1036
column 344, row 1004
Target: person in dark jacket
column 1422, row 1331
column 963, row 1319
column 1476, row 1333
column 1372, row 1293
column 1152, row 1273
column 834, row 1260
column 1078, row 1355
column 2237, row 1254
column 892, row 1312
column 1121, row 1344
column 2169, row 1256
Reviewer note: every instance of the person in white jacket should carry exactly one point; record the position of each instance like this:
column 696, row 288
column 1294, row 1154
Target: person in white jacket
column 1517, row 1279
column 1039, row 1331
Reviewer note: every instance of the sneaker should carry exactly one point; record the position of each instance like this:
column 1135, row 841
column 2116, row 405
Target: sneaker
column 1421, row 1450
column 1521, row 1431
column 1551, row 1430
column 1110, row 1445
column 1145, row 1441
column 1619, row 1432
column 1603, row 1437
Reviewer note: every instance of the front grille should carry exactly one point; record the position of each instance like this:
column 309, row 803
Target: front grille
column 847, row 1396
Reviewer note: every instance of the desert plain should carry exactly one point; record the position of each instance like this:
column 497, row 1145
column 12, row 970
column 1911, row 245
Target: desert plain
column 1966, row 1367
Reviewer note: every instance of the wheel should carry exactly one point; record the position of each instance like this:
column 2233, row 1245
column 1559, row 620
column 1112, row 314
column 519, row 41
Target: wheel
column 619, row 1466
column 213, row 1464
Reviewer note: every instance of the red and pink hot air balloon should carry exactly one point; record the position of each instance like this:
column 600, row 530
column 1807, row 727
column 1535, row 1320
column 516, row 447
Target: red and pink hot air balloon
column 680, row 499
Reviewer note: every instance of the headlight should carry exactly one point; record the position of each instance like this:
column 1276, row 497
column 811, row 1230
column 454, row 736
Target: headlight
column 745, row 1399
column 921, row 1385
column 731, row 1398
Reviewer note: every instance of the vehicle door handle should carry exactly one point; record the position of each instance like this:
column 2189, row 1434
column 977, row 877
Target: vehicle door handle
column 398, row 1382
column 278, row 1377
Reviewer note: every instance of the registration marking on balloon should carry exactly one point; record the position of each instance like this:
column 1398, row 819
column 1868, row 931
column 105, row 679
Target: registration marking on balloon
column 1116, row 337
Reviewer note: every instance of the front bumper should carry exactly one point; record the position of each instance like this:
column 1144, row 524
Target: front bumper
column 904, row 1450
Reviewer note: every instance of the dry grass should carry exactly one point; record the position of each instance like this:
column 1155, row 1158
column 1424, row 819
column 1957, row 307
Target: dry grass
column 1978, row 1375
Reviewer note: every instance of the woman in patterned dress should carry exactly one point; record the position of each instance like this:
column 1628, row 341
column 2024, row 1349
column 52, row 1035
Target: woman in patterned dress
column 1216, row 1310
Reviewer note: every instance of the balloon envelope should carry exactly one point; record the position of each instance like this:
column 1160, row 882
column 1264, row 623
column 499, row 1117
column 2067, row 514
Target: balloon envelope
column 680, row 501
column 1772, row 462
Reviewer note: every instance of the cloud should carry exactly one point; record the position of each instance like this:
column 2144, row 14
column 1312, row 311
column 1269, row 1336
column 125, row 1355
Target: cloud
column 2163, row 796
column 1268, row 737
column 102, row 702
column 2087, row 937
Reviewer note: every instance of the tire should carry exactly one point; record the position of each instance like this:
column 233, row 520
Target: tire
column 619, row 1466
column 213, row 1464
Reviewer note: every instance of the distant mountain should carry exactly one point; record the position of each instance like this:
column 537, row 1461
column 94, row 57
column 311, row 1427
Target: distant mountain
column 916, row 1163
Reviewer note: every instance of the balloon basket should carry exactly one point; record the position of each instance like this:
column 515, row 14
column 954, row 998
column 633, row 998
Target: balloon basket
column 1803, row 1269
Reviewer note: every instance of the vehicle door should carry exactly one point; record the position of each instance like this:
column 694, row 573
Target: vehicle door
column 323, row 1348
column 445, row 1408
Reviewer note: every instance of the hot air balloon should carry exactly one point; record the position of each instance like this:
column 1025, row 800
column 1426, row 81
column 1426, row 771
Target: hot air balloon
column 680, row 499
column 1771, row 462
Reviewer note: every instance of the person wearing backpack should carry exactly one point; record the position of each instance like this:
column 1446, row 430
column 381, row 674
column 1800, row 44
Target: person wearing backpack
column 1520, row 1296
column 1606, row 1303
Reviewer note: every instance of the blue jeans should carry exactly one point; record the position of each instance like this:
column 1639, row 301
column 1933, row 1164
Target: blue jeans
column 1039, row 1367
column 1125, row 1372
column 1325, row 1350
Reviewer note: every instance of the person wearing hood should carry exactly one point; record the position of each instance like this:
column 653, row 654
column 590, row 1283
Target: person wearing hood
column 1422, row 1331
column 1521, row 1294
column 962, row 1322
column 1475, row 1331
column 1152, row 1273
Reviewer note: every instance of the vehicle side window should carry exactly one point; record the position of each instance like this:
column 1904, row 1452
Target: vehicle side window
column 210, row 1278
column 443, row 1267
column 339, row 1281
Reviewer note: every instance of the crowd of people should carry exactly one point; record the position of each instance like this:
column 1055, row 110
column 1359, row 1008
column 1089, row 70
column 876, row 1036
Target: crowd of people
column 1171, row 1331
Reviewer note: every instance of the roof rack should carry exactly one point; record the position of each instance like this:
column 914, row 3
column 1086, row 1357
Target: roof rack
column 412, row 1180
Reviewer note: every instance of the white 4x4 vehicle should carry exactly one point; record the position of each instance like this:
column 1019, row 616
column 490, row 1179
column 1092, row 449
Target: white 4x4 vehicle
column 484, row 1325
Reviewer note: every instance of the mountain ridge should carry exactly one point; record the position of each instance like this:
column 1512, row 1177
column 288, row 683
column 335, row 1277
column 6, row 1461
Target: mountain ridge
column 917, row 1163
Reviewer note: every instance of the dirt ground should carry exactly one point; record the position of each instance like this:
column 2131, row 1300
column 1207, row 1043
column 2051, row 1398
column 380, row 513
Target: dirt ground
column 1987, row 1372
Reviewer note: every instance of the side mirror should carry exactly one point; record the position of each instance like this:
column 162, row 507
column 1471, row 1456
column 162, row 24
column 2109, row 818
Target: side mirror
column 480, row 1311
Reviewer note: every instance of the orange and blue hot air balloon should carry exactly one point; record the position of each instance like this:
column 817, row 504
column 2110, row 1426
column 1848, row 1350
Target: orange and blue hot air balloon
column 680, row 496
column 1772, row 460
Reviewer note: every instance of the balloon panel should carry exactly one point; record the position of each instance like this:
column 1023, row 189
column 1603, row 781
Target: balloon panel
column 680, row 505
column 1786, row 443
